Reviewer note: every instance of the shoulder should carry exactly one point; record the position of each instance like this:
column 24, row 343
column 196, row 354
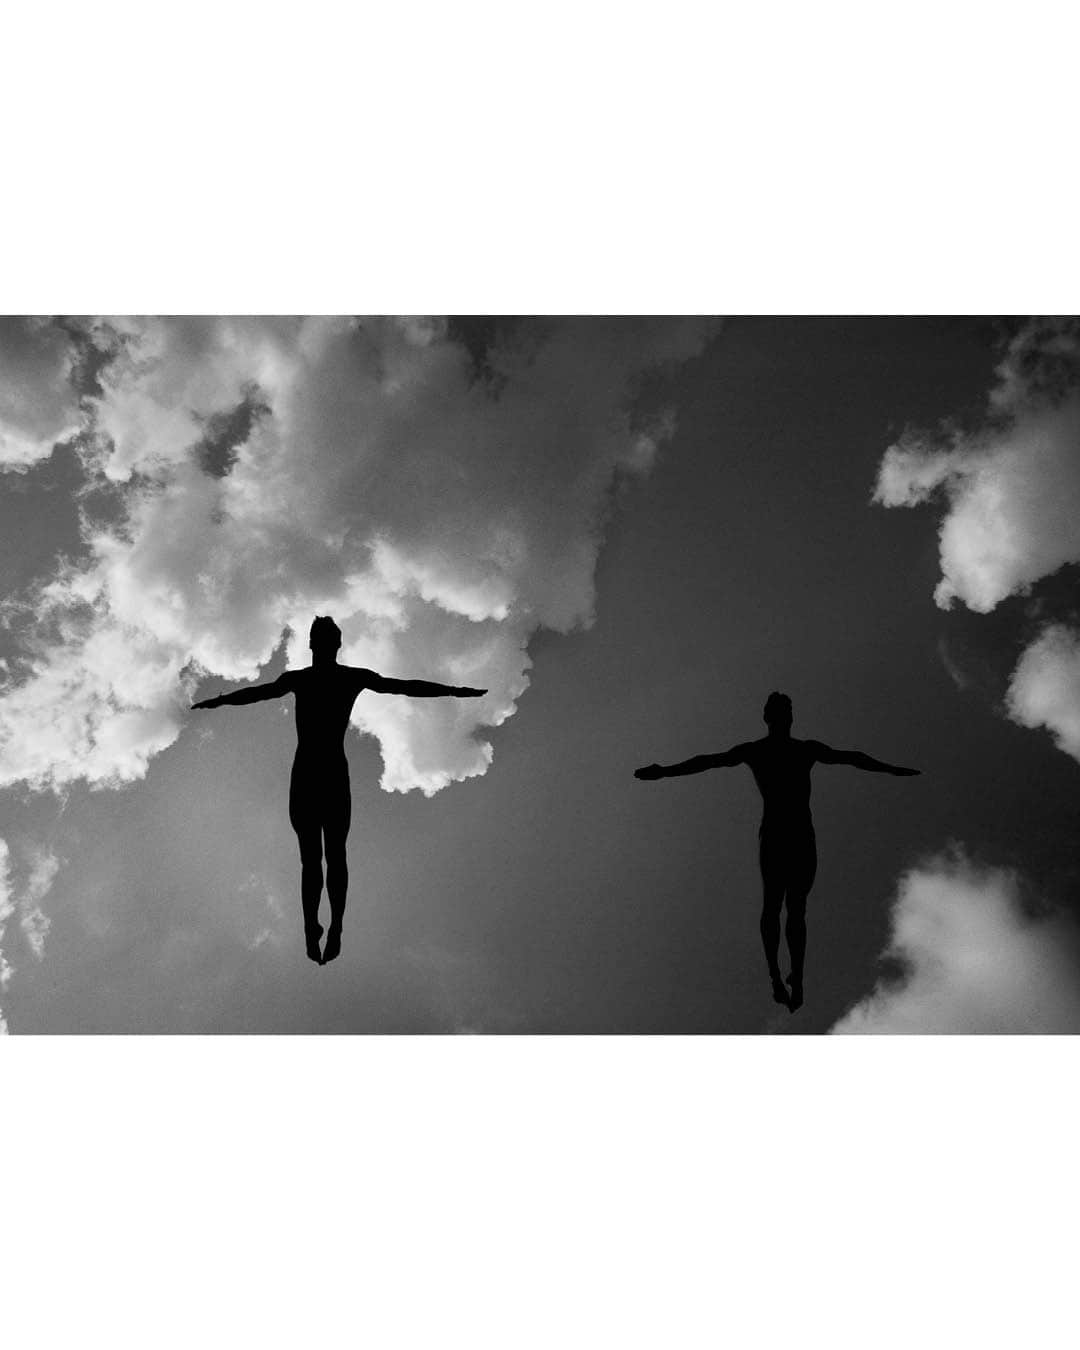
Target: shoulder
column 360, row 677
column 815, row 750
column 747, row 751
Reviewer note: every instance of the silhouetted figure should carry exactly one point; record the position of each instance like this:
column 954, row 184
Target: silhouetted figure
column 788, row 850
column 320, row 803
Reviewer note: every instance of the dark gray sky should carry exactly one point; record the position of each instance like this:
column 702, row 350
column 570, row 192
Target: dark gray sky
column 740, row 552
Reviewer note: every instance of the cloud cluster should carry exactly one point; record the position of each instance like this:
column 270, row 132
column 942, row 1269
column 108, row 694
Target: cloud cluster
column 1012, row 494
column 1012, row 487
column 973, row 959
column 1013, row 497
column 269, row 469
column 39, row 404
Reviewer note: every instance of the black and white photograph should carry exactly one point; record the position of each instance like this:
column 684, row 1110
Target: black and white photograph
column 539, row 676
column 343, row 658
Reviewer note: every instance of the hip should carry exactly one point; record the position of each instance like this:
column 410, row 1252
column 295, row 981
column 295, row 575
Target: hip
column 320, row 769
column 787, row 829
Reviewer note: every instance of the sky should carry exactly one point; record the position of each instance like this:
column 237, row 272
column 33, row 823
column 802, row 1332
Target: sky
column 628, row 531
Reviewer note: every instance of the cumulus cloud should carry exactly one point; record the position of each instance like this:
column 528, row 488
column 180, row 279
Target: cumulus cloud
column 1012, row 495
column 271, row 469
column 1012, row 488
column 1045, row 687
column 39, row 404
column 973, row 959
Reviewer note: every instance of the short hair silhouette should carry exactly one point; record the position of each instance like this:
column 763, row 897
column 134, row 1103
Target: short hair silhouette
column 777, row 708
column 324, row 633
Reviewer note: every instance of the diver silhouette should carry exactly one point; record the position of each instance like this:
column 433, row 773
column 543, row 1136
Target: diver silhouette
column 788, row 849
column 320, row 802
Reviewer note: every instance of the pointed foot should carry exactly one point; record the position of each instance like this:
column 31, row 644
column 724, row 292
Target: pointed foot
column 796, row 1000
column 333, row 945
column 779, row 992
column 311, row 941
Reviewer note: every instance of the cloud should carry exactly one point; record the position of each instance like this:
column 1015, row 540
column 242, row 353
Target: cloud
column 1045, row 687
column 39, row 403
column 442, row 509
column 1012, row 493
column 33, row 921
column 97, row 703
column 973, row 957
column 262, row 910
column 1012, row 487
column 7, row 909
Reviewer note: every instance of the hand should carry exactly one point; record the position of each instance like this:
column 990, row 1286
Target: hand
column 465, row 692
column 649, row 772
column 208, row 703
column 907, row 773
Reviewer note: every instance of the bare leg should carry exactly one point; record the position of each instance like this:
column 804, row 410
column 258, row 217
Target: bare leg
column 804, row 870
column 337, row 885
column 770, row 938
column 311, row 884
column 795, row 931
column 305, row 822
column 772, row 901
column 335, row 834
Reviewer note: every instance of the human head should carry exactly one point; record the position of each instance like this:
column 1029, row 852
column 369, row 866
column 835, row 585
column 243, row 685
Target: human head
column 325, row 635
column 777, row 711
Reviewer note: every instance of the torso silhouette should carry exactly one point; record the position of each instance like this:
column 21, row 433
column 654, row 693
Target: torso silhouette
column 781, row 767
column 319, row 792
column 324, row 703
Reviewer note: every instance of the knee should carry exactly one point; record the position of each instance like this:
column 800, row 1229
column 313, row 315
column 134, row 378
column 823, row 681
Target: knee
column 310, row 853
column 336, row 858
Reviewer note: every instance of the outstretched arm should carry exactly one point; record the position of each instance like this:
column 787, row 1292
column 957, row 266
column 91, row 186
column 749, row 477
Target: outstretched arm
column 253, row 693
column 726, row 760
column 825, row 754
column 383, row 684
